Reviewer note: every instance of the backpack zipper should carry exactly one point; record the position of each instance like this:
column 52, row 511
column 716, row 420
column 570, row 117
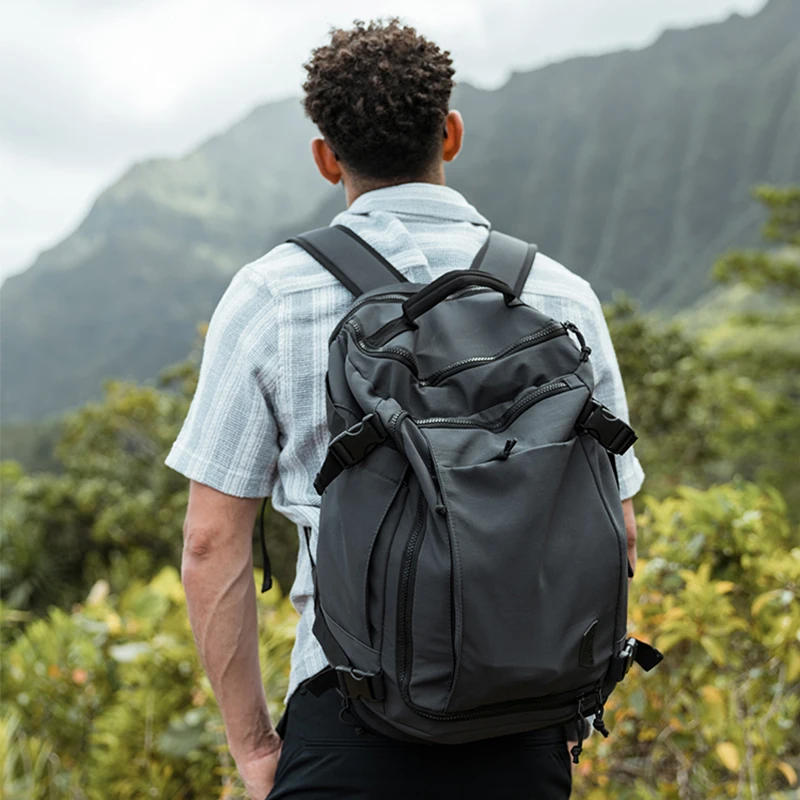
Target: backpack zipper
column 405, row 652
column 543, row 335
column 396, row 353
column 503, row 421
column 407, row 358
column 379, row 298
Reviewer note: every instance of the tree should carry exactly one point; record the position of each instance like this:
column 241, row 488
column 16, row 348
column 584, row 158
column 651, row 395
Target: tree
column 760, row 341
column 114, row 511
column 718, row 590
column 686, row 405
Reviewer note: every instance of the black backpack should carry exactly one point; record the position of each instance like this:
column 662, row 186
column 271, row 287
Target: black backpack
column 471, row 570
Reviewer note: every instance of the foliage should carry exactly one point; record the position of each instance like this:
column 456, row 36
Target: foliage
column 719, row 592
column 111, row 700
column 114, row 511
column 687, row 406
column 762, row 342
column 32, row 444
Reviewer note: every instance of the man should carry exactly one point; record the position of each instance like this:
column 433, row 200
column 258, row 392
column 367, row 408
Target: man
column 379, row 94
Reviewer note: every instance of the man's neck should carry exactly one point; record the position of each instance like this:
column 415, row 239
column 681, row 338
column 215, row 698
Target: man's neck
column 355, row 187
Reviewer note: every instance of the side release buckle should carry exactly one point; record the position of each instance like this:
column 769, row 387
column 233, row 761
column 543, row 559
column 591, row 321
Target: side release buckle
column 353, row 444
column 348, row 448
column 610, row 431
column 645, row 655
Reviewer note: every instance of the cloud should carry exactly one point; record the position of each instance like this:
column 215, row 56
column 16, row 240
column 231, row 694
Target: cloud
column 96, row 85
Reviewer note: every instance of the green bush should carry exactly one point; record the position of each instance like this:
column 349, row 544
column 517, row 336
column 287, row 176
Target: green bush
column 111, row 700
column 718, row 590
column 114, row 512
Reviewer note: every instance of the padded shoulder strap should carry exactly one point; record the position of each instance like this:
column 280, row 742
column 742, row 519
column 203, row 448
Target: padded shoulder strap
column 506, row 258
column 354, row 263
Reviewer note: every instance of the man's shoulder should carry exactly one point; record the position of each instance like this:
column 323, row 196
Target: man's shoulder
column 550, row 282
column 285, row 269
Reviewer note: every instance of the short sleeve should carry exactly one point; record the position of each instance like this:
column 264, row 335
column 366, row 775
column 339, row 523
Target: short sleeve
column 609, row 389
column 229, row 440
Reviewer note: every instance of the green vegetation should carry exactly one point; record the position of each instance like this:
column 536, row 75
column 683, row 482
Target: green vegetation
column 631, row 168
column 110, row 700
column 102, row 695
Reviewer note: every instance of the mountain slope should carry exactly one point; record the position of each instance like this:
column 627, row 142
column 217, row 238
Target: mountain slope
column 632, row 168
column 123, row 294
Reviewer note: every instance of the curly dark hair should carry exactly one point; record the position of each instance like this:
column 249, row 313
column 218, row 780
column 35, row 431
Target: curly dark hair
column 379, row 94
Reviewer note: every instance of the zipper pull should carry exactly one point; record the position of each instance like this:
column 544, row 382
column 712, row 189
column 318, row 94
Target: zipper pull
column 510, row 445
column 598, row 724
column 577, row 749
column 585, row 350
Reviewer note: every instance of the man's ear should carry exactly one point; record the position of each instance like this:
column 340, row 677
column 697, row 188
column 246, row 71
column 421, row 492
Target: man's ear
column 326, row 161
column 454, row 128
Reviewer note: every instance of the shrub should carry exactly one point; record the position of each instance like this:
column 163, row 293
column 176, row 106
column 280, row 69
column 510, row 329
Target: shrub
column 719, row 593
column 111, row 700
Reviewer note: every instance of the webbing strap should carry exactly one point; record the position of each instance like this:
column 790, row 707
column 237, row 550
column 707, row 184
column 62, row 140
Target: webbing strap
column 348, row 448
column 353, row 262
column 506, row 258
column 266, row 583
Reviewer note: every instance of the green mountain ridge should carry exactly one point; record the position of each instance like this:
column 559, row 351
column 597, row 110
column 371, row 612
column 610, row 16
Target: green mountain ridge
column 632, row 168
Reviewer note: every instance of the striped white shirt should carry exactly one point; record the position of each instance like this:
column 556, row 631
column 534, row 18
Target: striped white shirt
column 257, row 424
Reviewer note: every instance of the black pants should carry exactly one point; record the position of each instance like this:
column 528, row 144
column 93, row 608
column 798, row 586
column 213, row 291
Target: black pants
column 324, row 757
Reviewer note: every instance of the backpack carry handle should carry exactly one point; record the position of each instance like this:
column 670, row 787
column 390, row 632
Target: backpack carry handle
column 433, row 294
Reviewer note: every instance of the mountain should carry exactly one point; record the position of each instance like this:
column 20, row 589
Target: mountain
column 632, row 168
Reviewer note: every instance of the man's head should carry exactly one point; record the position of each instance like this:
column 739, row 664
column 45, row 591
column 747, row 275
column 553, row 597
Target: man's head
column 379, row 94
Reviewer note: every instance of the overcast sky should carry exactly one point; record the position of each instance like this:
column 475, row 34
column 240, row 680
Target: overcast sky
column 90, row 86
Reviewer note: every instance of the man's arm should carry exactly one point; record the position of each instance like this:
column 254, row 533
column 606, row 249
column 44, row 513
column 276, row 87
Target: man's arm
column 630, row 528
column 217, row 575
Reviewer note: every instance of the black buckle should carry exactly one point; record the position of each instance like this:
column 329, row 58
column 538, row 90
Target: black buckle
column 610, row 431
column 353, row 444
column 621, row 664
column 358, row 684
column 645, row 655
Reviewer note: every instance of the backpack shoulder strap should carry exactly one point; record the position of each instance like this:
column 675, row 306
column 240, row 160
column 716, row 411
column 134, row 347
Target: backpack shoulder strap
column 506, row 258
column 353, row 262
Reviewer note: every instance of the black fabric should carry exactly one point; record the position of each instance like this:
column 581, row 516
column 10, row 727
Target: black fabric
column 506, row 258
column 438, row 291
column 266, row 583
column 353, row 262
column 327, row 757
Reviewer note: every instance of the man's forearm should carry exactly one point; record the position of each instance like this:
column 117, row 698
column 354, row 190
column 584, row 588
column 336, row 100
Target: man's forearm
column 221, row 600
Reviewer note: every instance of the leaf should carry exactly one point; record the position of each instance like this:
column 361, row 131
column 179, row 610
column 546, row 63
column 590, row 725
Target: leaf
column 125, row 653
column 762, row 600
column 788, row 772
column 793, row 666
column 723, row 587
column 728, row 754
column 714, row 649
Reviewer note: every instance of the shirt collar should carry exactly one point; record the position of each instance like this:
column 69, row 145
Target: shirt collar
column 419, row 200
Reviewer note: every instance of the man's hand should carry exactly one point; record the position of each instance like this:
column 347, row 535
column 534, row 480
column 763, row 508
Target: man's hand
column 258, row 769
